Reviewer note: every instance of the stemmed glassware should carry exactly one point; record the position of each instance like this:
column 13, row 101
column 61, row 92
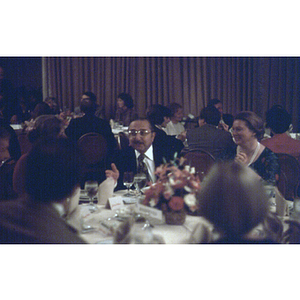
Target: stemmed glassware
column 128, row 182
column 140, row 180
column 91, row 187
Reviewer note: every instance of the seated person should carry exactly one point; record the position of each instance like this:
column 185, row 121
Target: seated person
column 174, row 127
column 226, row 119
column 90, row 123
column 234, row 200
column 40, row 109
column 125, row 112
column 53, row 104
column 218, row 104
column 52, row 180
column 143, row 153
column 159, row 117
column 279, row 120
column 7, row 164
column 247, row 131
column 45, row 127
column 209, row 138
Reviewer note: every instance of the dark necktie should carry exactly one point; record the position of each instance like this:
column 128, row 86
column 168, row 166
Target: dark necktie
column 142, row 168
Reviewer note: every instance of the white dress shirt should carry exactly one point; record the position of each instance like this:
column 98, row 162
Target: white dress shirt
column 149, row 161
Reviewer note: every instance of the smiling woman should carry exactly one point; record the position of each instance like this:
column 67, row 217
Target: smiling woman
column 247, row 131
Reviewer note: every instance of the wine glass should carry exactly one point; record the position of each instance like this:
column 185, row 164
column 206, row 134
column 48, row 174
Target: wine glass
column 139, row 182
column 91, row 187
column 128, row 182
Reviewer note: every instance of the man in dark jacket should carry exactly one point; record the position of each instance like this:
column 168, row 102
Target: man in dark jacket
column 142, row 144
column 90, row 123
column 209, row 138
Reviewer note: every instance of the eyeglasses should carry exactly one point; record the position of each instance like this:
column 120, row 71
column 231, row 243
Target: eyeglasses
column 142, row 132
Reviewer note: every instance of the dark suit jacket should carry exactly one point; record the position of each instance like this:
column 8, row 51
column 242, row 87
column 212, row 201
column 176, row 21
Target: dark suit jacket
column 91, row 123
column 209, row 138
column 125, row 160
column 168, row 142
column 25, row 222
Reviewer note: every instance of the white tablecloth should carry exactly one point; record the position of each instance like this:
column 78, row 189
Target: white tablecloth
column 171, row 234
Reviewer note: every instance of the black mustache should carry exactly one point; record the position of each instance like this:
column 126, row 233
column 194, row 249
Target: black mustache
column 137, row 143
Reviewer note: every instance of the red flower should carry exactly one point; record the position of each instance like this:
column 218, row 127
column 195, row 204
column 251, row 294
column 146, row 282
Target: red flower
column 176, row 203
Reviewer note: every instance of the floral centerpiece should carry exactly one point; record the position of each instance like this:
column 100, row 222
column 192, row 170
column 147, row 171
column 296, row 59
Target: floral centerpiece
column 175, row 191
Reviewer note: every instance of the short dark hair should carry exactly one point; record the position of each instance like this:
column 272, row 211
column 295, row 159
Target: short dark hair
column 144, row 119
column 174, row 107
column 253, row 122
column 278, row 119
column 228, row 119
column 128, row 101
column 91, row 95
column 156, row 114
column 210, row 115
column 53, row 170
column 213, row 102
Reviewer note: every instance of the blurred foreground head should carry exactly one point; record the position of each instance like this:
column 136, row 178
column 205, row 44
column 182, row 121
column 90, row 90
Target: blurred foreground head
column 233, row 199
column 53, row 170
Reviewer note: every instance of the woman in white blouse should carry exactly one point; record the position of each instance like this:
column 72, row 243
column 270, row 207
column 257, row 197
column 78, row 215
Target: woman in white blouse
column 174, row 127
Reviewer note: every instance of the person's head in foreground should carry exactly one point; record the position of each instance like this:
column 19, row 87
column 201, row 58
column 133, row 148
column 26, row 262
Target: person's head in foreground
column 53, row 171
column 233, row 199
column 278, row 119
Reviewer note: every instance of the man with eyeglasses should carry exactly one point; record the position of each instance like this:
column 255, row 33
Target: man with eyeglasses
column 141, row 145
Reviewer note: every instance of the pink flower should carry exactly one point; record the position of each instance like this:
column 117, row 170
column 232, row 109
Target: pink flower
column 153, row 193
column 173, row 180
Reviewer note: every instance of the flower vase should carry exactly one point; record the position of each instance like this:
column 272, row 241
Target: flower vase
column 175, row 217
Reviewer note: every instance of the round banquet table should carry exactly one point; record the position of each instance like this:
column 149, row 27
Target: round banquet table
column 170, row 234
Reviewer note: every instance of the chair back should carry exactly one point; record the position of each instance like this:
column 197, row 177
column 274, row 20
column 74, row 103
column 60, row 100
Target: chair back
column 201, row 160
column 19, row 175
column 290, row 168
column 123, row 140
column 93, row 147
column 282, row 183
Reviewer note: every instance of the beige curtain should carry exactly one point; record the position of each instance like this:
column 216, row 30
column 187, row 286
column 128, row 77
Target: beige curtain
column 243, row 83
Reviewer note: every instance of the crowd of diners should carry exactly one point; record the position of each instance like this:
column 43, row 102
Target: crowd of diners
column 37, row 188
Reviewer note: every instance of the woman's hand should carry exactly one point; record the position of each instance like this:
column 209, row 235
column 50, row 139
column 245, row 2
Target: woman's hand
column 223, row 126
column 113, row 173
column 241, row 157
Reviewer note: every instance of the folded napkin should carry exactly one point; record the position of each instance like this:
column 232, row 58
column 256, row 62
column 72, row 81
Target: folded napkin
column 74, row 201
column 105, row 190
column 128, row 232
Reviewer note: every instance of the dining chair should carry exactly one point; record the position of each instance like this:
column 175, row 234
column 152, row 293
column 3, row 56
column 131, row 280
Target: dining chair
column 93, row 147
column 282, row 183
column 290, row 167
column 123, row 140
column 19, row 175
column 200, row 159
